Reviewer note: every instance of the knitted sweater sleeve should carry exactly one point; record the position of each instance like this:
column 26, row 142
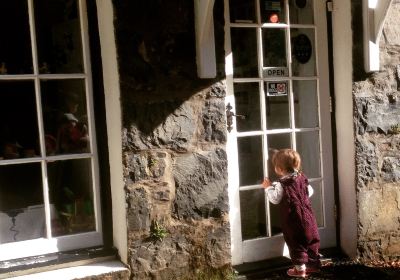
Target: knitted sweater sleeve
column 274, row 193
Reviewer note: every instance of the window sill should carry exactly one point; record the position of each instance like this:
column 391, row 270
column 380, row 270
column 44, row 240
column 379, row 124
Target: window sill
column 98, row 269
column 76, row 264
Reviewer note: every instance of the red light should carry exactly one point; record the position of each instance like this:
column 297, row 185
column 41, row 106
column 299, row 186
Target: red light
column 274, row 18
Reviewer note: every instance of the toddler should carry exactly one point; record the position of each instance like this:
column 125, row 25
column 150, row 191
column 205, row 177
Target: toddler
column 299, row 226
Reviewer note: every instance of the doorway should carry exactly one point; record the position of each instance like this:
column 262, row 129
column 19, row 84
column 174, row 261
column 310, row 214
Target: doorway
column 277, row 97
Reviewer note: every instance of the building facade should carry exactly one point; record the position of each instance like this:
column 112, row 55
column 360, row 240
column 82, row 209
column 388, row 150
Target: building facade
column 149, row 125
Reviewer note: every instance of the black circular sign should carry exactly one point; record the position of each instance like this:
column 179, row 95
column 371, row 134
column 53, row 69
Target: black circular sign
column 302, row 48
column 301, row 3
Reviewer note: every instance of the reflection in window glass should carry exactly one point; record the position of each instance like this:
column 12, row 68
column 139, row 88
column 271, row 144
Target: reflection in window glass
column 303, row 52
column 317, row 202
column 276, row 142
column 71, row 193
column 252, row 214
column 309, row 150
column 247, row 101
column 59, row 41
column 250, row 160
column 306, row 104
column 277, row 105
column 244, row 50
column 65, row 116
column 18, row 120
column 301, row 11
column 242, row 11
column 272, row 11
column 21, row 203
column 15, row 49
column 274, row 48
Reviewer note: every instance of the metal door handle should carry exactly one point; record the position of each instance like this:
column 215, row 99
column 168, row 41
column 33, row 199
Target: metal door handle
column 229, row 117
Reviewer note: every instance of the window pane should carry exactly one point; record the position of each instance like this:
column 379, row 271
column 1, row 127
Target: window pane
column 71, row 193
column 276, row 142
column 15, row 47
column 317, row 203
column 242, row 11
column 277, row 104
column 58, row 36
column 247, row 100
column 21, row 203
column 18, row 121
column 244, row 50
column 274, row 51
column 303, row 52
column 308, row 148
column 305, row 104
column 65, row 116
column 272, row 11
column 252, row 214
column 250, row 160
column 301, row 11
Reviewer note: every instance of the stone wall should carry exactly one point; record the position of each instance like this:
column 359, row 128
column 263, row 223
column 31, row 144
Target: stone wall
column 377, row 128
column 174, row 135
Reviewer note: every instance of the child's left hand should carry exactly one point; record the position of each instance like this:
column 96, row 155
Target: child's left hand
column 266, row 183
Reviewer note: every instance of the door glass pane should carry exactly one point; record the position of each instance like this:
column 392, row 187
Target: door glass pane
column 277, row 104
column 71, row 193
column 303, row 52
column 15, row 48
column 59, row 40
column 18, row 120
column 272, row 11
column 244, row 50
column 65, row 116
column 305, row 104
column 317, row 202
column 308, row 148
column 21, row 203
column 242, row 11
column 250, row 160
column 274, row 51
column 301, row 11
column 252, row 214
column 276, row 142
column 247, row 101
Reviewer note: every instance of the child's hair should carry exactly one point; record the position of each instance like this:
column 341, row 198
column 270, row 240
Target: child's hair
column 287, row 159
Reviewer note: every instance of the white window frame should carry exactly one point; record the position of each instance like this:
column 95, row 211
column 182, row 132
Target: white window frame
column 50, row 244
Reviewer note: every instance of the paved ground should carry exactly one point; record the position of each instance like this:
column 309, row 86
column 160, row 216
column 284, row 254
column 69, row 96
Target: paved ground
column 335, row 270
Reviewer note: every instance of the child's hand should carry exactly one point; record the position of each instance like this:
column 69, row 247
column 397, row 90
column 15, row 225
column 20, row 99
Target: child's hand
column 266, row 183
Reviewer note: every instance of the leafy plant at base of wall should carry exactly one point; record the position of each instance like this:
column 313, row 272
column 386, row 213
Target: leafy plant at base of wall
column 157, row 231
column 395, row 129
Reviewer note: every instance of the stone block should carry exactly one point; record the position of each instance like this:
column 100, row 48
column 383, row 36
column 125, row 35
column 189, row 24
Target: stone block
column 201, row 185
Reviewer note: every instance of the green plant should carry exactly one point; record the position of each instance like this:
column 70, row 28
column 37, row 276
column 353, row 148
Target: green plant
column 157, row 231
column 395, row 129
column 152, row 162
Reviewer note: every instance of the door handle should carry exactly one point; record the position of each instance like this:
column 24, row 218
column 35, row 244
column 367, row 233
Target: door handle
column 229, row 117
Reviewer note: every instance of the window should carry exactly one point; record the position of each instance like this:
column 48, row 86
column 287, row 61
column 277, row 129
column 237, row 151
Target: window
column 49, row 186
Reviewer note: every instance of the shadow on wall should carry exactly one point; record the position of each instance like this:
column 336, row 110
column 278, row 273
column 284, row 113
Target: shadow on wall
column 157, row 58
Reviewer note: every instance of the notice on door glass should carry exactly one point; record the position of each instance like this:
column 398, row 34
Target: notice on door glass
column 277, row 88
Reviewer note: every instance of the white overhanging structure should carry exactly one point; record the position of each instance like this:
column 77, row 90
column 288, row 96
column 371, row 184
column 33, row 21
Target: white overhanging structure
column 374, row 15
column 205, row 42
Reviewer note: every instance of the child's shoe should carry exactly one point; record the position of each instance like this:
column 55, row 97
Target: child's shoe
column 293, row 272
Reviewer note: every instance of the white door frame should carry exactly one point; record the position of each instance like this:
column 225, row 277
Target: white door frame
column 239, row 255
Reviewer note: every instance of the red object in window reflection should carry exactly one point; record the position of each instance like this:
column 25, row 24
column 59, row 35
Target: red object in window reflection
column 274, row 18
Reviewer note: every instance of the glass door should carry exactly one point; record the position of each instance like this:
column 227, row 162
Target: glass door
column 49, row 186
column 278, row 97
